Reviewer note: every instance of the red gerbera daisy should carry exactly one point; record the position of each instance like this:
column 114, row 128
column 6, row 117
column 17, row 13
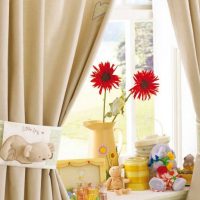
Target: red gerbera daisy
column 145, row 85
column 104, row 78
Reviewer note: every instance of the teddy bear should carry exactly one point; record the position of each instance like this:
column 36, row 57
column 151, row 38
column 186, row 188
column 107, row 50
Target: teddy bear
column 188, row 164
column 17, row 148
column 116, row 182
column 162, row 163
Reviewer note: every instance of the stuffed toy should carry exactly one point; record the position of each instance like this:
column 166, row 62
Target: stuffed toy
column 17, row 148
column 188, row 164
column 163, row 164
column 162, row 155
column 116, row 182
column 188, row 167
column 167, row 180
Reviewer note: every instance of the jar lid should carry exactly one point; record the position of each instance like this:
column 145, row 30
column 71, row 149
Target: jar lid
column 136, row 159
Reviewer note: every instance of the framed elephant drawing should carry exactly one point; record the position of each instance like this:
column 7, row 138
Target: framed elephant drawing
column 29, row 145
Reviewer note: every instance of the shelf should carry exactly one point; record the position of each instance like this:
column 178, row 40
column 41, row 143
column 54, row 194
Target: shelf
column 149, row 195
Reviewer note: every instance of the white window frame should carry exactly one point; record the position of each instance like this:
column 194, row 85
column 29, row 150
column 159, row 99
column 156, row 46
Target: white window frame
column 177, row 104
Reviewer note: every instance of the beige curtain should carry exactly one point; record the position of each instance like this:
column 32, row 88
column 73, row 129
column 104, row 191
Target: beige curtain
column 46, row 47
column 185, row 16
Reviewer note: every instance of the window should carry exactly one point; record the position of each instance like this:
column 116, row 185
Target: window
column 89, row 103
column 135, row 39
column 188, row 119
column 125, row 34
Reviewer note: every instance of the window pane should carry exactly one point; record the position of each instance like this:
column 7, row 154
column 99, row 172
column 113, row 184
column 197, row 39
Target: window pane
column 144, row 60
column 89, row 104
column 144, row 45
column 188, row 120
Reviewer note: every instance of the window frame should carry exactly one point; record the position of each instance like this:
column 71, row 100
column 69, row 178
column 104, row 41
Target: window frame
column 177, row 104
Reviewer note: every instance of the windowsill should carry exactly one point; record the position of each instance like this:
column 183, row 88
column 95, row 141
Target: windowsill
column 149, row 195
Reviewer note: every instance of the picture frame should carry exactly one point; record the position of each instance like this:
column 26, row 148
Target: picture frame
column 74, row 172
column 29, row 145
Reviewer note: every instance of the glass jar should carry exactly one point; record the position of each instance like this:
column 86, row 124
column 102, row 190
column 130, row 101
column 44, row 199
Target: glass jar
column 102, row 196
column 137, row 171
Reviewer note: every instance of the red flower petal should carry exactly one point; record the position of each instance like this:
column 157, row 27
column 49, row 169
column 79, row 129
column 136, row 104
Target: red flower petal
column 145, row 85
column 104, row 77
column 162, row 170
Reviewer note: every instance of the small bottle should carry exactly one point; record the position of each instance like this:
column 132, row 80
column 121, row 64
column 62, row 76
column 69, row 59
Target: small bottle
column 102, row 196
column 80, row 193
column 102, row 193
column 93, row 193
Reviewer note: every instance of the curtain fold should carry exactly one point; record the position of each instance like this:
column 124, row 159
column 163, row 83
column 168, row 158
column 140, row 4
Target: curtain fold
column 46, row 47
column 194, row 189
column 185, row 15
column 88, row 42
column 3, row 181
column 46, row 186
column 187, row 30
column 4, row 24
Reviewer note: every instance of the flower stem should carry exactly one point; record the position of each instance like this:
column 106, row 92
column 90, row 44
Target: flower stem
column 109, row 164
column 114, row 118
column 123, row 107
column 104, row 106
column 127, row 97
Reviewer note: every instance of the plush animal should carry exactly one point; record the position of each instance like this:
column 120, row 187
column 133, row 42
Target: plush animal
column 167, row 180
column 163, row 164
column 188, row 164
column 116, row 182
column 162, row 155
column 17, row 148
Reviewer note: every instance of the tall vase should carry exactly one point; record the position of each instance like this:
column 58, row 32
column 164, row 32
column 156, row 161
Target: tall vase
column 102, row 138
